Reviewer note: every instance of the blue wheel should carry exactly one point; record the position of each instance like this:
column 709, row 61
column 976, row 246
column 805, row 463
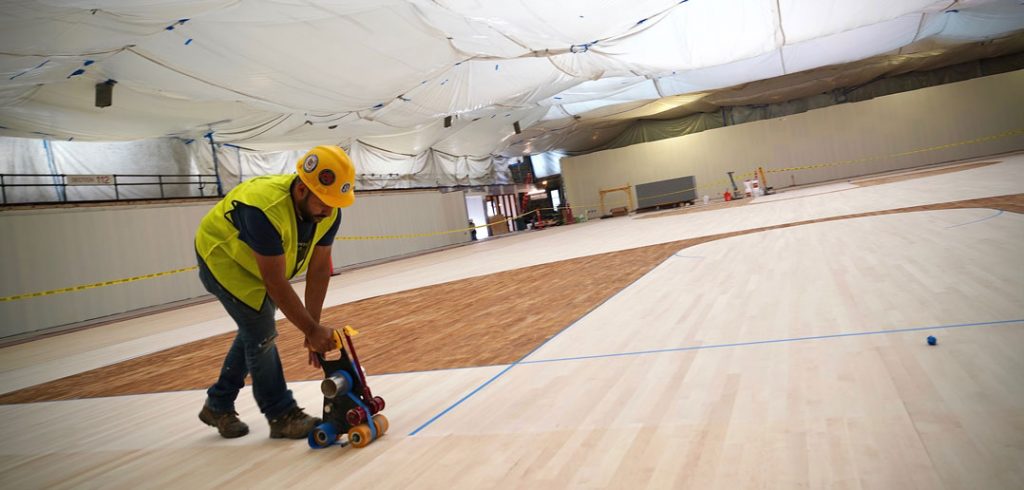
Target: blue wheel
column 322, row 436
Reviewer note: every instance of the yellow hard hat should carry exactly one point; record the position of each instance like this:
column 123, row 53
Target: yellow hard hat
column 329, row 173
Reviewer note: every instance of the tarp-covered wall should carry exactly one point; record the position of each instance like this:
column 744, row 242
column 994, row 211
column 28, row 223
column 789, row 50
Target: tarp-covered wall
column 186, row 160
column 166, row 156
column 47, row 249
column 892, row 125
column 414, row 76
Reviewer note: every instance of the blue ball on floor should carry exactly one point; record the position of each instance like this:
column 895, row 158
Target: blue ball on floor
column 932, row 340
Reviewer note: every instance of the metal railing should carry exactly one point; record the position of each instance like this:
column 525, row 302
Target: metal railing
column 206, row 184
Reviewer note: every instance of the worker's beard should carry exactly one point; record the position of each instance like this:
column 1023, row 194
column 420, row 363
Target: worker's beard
column 304, row 212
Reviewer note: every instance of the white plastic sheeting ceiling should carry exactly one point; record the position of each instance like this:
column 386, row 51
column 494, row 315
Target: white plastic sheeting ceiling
column 288, row 74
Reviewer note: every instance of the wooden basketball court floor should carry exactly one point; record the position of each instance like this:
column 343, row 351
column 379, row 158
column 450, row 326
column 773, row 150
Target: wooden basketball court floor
column 788, row 358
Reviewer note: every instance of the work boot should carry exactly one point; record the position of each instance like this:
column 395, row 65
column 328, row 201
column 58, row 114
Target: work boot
column 293, row 424
column 227, row 423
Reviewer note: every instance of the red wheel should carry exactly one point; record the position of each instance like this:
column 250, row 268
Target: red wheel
column 355, row 416
column 378, row 404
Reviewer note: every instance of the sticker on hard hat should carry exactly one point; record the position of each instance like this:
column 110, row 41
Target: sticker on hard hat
column 326, row 176
column 310, row 164
column 345, row 187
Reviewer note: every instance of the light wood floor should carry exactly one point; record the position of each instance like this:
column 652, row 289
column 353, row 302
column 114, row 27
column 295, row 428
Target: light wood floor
column 788, row 358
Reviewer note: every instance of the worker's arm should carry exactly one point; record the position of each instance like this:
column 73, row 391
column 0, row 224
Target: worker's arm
column 272, row 268
column 317, row 277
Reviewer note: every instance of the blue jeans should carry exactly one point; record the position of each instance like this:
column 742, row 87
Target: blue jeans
column 253, row 352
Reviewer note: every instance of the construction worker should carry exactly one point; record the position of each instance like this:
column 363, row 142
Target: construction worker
column 263, row 233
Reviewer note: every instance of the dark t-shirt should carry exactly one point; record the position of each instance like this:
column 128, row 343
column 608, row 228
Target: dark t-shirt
column 255, row 229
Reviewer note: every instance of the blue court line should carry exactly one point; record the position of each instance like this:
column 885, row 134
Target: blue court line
column 691, row 348
column 528, row 354
column 977, row 220
column 775, row 341
column 452, row 406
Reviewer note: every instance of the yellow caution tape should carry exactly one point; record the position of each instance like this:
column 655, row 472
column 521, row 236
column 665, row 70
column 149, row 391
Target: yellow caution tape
column 95, row 285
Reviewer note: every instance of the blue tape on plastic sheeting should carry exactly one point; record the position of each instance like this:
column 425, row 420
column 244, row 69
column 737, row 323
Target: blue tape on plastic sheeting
column 40, row 65
column 58, row 189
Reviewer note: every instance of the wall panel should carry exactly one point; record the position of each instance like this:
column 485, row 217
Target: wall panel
column 44, row 249
column 885, row 126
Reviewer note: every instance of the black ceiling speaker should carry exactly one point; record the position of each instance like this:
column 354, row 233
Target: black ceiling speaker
column 105, row 93
column 448, row 121
column 515, row 126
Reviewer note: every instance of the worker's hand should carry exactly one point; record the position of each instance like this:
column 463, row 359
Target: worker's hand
column 313, row 360
column 320, row 339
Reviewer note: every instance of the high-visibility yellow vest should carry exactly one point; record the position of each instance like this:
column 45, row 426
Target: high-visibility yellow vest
column 231, row 260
